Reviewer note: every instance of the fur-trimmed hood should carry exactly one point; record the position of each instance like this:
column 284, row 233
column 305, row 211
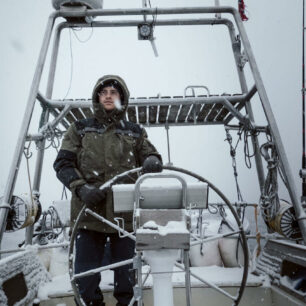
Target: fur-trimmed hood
column 99, row 111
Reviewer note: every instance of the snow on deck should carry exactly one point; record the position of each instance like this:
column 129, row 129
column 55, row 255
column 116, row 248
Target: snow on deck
column 226, row 277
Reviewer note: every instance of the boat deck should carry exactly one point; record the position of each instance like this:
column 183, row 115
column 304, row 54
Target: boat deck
column 257, row 292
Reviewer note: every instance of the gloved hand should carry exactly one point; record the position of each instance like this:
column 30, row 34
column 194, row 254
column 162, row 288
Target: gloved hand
column 90, row 194
column 152, row 164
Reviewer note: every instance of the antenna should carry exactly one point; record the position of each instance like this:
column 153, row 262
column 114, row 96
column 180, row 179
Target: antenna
column 146, row 29
column 302, row 172
column 217, row 15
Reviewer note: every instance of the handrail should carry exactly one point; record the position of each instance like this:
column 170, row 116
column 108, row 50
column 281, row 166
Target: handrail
column 241, row 98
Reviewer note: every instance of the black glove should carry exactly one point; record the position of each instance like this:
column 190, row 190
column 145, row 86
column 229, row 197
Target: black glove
column 152, row 164
column 90, row 194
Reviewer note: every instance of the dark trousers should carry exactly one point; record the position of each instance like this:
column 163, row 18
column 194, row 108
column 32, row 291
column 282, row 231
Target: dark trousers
column 90, row 251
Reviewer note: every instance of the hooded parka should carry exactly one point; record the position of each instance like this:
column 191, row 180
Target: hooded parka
column 94, row 150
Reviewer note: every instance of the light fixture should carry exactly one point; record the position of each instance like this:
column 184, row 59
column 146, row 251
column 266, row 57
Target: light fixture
column 145, row 31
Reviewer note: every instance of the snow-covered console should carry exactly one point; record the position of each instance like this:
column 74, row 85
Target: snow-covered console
column 162, row 225
column 160, row 209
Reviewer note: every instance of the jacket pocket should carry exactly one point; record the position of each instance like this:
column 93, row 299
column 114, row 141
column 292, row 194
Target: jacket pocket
column 127, row 151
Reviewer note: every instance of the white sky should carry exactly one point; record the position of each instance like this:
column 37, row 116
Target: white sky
column 192, row 56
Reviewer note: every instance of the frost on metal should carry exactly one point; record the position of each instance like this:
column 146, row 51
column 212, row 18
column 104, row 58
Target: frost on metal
column 28, row 265
column 170, row 227
column 63, row 209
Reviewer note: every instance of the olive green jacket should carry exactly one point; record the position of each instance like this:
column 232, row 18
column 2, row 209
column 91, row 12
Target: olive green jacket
column 94, row 150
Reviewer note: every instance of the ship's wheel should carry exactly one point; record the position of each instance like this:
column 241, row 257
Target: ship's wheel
column 239, row 231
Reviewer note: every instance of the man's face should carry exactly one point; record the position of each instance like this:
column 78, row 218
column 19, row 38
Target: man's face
column 107, row 97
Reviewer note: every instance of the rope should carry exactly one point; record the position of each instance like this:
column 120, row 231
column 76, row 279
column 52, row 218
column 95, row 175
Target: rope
column 53, row 135
column 28, row 155
column 247, row 154
column 241, row 9
column 269, row 200
column 74, row 30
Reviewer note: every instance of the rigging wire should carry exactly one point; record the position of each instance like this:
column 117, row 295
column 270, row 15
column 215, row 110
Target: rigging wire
column 71, row 65
column 64, row 191
column 240, row 208
column 303, row 103
column 74, row 30
column 234, row 165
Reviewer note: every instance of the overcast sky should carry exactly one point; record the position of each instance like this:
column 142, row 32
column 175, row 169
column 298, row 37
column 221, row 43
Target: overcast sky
column 191, row 56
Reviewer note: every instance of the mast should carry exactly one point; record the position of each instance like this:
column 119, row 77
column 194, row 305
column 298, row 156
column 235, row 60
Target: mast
column 303, row 110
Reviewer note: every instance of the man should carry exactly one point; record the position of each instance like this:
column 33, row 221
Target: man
column 93, row 151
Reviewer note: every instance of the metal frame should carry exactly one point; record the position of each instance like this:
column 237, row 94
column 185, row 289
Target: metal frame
column 239, row 59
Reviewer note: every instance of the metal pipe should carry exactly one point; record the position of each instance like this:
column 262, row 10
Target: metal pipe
column 187, row 278
column 101, row 269
column 147, row 11
column 135, row 23
column 251, row 93
column 116, row 227
column 56, row 121
column 10, row 185
column 299, row 211
column 50, row 84
column 212, row 285
column 40, row 247
column 243, row 119
column 192, row 87
column 144, row 102
column 41, row 143
column 168, row 143
column 257, row 128
column 267, row 236
column 217, row 236
column 51, row 246
column 144, row 5
column 217, row 3
column 41, row 135
column 303, row 105
column 139, row 280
